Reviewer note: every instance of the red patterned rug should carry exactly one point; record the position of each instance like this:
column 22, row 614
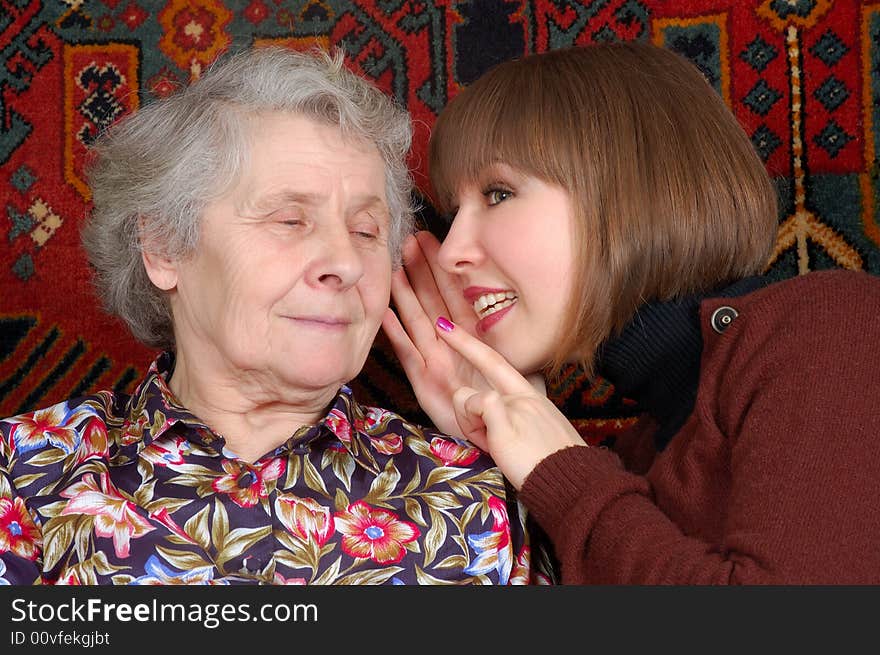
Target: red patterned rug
column 803, row 77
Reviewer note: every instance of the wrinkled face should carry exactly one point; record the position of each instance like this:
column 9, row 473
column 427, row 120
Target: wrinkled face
column 511, row 244
column 292, row 272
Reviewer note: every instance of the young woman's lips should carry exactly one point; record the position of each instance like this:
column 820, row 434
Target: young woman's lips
column 485, row 324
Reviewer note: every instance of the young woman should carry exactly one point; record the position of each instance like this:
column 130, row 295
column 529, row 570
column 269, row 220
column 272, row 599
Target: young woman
column 609, row 210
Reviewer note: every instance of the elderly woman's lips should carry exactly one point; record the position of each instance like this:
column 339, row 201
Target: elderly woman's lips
column 327, row 322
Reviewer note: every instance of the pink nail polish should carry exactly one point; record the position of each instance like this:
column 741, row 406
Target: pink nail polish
column 445, row 324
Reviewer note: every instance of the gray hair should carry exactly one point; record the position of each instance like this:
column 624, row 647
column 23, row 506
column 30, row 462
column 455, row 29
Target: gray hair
column 157, row 169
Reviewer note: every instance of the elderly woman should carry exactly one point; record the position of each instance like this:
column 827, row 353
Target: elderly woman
column 248, row 226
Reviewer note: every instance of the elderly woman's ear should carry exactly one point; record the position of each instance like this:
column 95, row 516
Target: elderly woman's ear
column 161, row 269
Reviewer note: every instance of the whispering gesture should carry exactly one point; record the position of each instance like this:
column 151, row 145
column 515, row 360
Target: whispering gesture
column 464, row 386
column 511, row 420
column 421, row 293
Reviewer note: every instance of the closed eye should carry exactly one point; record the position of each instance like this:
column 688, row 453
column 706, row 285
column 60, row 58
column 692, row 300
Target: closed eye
column 369, row 224
column 290, row 216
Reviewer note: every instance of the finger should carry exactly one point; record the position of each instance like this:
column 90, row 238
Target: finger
column 467, row 409
column 513, row 451
column 409, row 356
column 479, row 414
column 456, row 305
column 420, row 275
column 418, row 324
column 491, row 364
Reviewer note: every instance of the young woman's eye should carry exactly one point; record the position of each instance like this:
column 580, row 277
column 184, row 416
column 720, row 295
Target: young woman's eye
column 496, row 196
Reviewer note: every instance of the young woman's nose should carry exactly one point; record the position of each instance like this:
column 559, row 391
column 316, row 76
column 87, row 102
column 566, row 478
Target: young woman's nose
column 460, row 249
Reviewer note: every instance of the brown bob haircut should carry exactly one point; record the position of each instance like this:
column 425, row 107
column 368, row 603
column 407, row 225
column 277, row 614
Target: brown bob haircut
column 670, row 197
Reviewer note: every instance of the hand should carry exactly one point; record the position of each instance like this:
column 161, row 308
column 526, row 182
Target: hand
column 421, row 293
column 512, row 421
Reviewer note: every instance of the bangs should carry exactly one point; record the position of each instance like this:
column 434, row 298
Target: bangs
column 499, row 118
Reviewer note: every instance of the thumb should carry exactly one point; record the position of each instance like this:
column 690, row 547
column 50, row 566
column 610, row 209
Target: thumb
column 468, row 414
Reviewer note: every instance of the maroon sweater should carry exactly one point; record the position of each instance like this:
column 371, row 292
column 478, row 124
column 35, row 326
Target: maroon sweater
column 772, row 472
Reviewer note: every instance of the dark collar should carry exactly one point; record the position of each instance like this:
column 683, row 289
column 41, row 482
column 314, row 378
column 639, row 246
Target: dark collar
column 656, row 358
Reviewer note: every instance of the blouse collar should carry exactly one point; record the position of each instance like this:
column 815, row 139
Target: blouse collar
column 153, row 399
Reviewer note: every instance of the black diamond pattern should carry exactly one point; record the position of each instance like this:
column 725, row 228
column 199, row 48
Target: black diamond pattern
column 765, row 142
column 761, row 98
column 829, row 48
column 758, row 54
column 832, row 138
column 832, row 93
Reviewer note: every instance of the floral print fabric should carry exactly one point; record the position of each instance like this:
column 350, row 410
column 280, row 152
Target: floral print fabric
column 117, row 489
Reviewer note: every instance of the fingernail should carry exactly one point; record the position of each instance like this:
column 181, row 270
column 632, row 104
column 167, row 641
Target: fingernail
column 445, row 324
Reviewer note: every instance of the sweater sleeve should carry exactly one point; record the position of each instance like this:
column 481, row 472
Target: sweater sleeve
column 788, row 415
column 606, row 527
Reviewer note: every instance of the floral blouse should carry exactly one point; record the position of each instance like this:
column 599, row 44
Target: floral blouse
column 119, row 489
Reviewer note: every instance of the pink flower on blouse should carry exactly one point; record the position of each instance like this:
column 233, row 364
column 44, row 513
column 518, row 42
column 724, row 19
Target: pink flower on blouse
column 454, row 453
column 55, row 425
column 494, row 548
column 520, row 573
column 374, row 533
column 525, row 572
column 281, row 580
column 94, row 443
column 134, row 432
column 377, row 418
column 167, row 450
column 163, row 517
column 338, row 423
column 245, row 485
column 69, row 578
column 387, row 444
column 305, row 518
column 501, row 521
column 115, row 516
column 18, row 533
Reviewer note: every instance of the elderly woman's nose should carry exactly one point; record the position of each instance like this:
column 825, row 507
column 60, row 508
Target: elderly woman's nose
column 337, row 260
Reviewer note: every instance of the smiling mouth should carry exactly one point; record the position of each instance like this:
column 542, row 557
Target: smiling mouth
column 489, row 303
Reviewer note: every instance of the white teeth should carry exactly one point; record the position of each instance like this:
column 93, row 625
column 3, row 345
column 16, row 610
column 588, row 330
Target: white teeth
column 492, row 302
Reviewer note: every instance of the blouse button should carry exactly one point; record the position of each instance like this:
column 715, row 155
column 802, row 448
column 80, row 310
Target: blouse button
column 722, row 318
